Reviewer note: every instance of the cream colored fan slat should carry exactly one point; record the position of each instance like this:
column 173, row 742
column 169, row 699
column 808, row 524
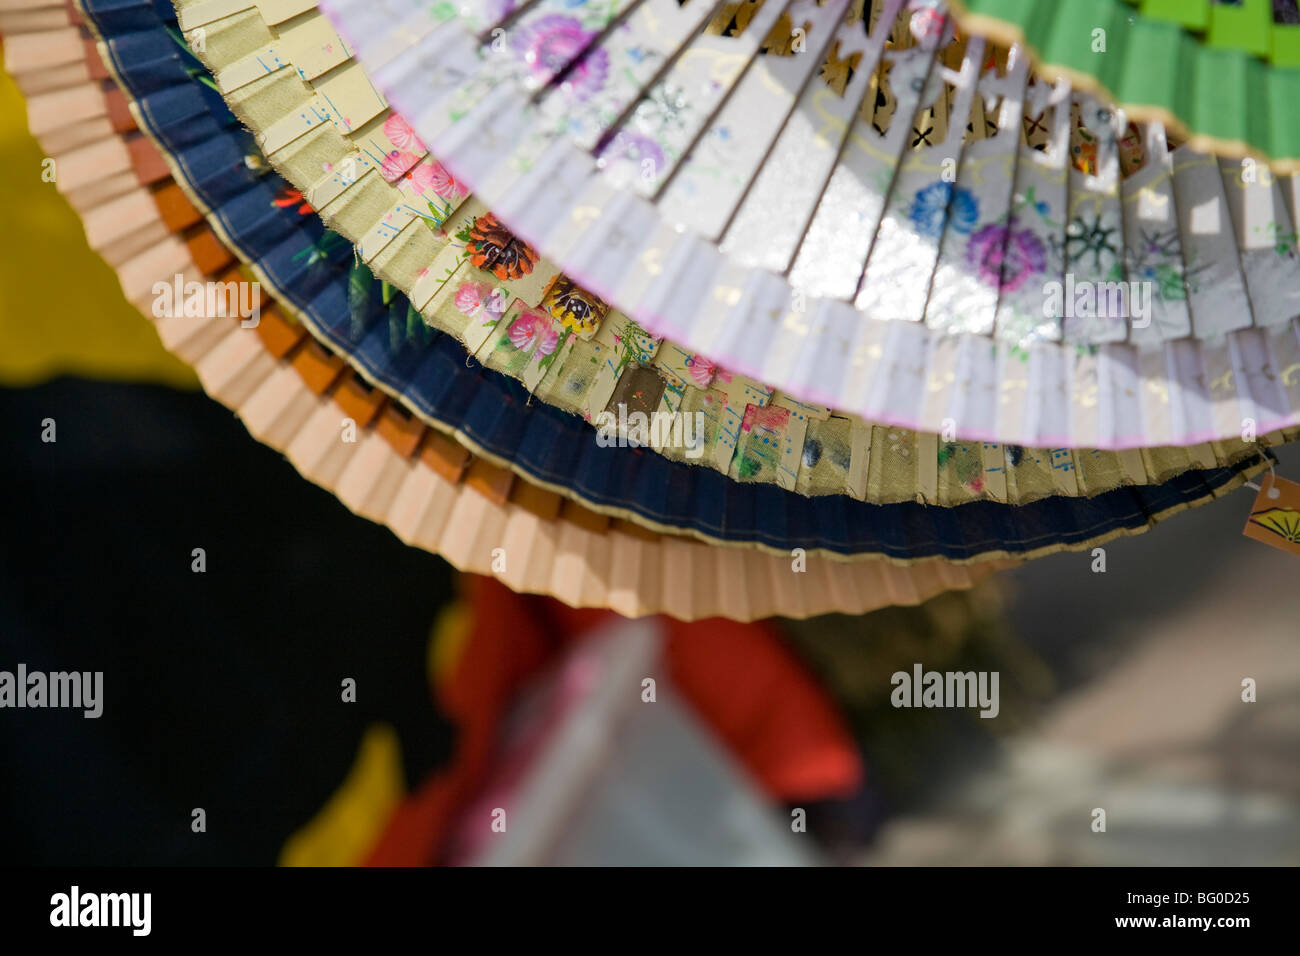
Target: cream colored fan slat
column 373, row 476
column 92, row 163
column 474, row 529
column 30, row 21
column 636, row 575
column 275, row 411
column 75, row 104
column 318, row 449
column 432, row 525
column 573, row 574
column 235, row 367
column 160, row 263
column 527, row 546
column 120, row 239
column 96, row 191
column 409, row 503
column 733, row 587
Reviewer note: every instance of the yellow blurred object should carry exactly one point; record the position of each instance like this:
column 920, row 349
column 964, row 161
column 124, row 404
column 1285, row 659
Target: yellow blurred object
column 451, row 633
column 62, row 311
column 350, row 823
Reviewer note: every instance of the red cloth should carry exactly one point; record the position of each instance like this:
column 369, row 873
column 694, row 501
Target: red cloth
column 742, row 681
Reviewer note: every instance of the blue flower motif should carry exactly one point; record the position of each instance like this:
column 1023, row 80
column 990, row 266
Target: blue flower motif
column 941, row 202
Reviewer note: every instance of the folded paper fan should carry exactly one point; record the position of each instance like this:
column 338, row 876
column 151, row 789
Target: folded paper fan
column 1020, row 471
column 472, row 295
column 377, row 483
column 868, row 213
column 292, row 394
column 1240, row 52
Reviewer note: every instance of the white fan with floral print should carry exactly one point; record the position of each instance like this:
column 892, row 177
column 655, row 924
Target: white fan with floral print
column 853, row 204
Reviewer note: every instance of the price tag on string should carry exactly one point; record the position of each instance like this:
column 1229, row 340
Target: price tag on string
column 1275, row 515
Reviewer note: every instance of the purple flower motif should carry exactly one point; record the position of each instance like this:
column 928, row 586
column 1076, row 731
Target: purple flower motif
column 550, row 44
column 637, row 148
column 1005, row 256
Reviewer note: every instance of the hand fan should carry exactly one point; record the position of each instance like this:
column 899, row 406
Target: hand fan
column 801, row 447
column 1092, row 475
column 907, row 476
column 292, row 394
column 886, row 241
column 1241, row 52
column 1149, row 506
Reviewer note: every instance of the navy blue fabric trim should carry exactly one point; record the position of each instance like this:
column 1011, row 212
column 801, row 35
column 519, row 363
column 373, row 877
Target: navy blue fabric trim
column 212, row 152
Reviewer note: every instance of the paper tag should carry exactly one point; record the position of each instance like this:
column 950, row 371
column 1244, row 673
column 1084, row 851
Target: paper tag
column 1275, row 515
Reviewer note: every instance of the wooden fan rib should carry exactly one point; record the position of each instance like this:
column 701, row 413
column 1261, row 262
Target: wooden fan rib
column 401, row 430
column 280, row 336
column 444, row 456
column 547, row 505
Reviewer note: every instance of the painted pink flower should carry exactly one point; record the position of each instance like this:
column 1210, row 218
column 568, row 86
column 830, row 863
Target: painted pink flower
column 401, row 168
column 470, row 295
column 442, row 182
column 421, row 177
column 396, row 164
column 701, row 370
column 474, row 297
column 401, row 135
column 532, row 330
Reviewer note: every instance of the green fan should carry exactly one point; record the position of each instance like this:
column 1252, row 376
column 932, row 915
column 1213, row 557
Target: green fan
column 1238, row 73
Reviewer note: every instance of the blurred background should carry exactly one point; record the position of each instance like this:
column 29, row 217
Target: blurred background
column 493, row 728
